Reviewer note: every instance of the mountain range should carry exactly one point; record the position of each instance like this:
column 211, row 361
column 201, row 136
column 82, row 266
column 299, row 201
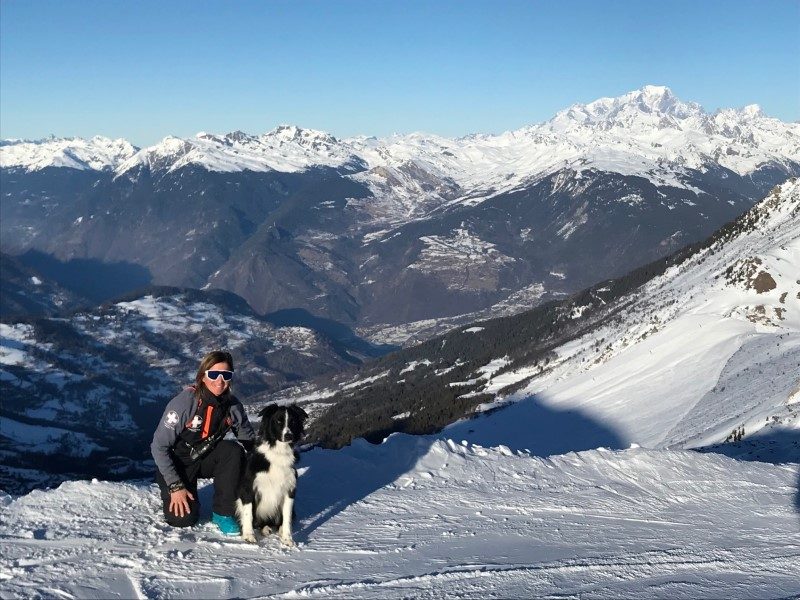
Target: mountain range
column 359, row 230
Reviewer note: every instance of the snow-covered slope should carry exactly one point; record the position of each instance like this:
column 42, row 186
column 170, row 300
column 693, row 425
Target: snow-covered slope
column 711, row 346
column 426, row 518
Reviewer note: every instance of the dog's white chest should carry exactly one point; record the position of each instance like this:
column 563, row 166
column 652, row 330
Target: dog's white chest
column 274, row 485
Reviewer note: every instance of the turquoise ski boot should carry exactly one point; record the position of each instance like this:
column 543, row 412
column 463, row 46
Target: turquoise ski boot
column 227, row 525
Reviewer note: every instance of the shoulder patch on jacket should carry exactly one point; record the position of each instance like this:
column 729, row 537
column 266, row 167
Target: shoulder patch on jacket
column 171, row 420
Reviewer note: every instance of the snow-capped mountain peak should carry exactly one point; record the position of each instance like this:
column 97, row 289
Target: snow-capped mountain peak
column 292, row 133
column 643, row 108
column 97, row 153
column 285, row 148
column 660, row 99
column 233, row 137
column 753, row 110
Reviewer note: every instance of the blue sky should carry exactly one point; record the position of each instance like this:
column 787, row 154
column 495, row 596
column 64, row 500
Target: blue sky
column 143, row 70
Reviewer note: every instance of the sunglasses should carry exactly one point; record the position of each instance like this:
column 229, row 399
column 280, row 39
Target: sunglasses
column 214, row 375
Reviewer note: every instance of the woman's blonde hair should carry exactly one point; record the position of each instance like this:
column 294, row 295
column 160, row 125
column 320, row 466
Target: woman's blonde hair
column 209, row 360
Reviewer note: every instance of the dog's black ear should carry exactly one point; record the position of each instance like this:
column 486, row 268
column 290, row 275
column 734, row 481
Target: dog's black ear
column 298, row 412
column 266, row 412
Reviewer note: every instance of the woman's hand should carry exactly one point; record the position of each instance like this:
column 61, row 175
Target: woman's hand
column 179, row 502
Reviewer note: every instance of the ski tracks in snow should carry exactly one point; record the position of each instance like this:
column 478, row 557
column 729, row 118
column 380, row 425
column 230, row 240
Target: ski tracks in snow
column 538, row 580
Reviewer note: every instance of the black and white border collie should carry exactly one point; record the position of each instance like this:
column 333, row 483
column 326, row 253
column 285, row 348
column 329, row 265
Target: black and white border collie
column 266, row 491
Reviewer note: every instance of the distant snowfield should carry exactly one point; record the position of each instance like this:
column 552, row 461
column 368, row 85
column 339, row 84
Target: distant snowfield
column 429, row 517
column 48, row 440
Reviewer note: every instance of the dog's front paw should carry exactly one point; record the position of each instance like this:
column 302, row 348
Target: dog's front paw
column 249, row 537
column 286, row 540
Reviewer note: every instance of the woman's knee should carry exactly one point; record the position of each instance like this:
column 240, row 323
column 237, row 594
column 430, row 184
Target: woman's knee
column 187, row 520
column 231, row 450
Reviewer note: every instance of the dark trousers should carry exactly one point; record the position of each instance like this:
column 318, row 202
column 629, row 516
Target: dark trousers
column 224, row 464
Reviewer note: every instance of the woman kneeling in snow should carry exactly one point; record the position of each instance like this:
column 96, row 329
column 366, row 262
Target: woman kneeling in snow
column 188, row 443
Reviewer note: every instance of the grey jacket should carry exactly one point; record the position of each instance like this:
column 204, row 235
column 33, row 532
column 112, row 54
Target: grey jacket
column 180, row 411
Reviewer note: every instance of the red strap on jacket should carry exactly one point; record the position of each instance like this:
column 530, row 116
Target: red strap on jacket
column 207, row 424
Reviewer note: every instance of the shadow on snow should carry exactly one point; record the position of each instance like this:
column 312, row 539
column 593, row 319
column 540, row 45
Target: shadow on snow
column 337, row 479
column 530, row 426
column 778, row 446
